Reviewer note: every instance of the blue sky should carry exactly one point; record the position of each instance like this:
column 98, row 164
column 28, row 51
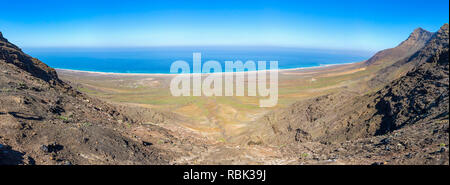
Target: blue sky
column 351, row 25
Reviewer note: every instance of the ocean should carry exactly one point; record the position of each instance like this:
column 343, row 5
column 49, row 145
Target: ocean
column 159, row 59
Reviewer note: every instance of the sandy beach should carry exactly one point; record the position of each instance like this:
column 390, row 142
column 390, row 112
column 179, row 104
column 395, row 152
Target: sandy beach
column 292, row 70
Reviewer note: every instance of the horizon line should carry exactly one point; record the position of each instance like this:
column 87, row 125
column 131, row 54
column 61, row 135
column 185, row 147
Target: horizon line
column 205, row 45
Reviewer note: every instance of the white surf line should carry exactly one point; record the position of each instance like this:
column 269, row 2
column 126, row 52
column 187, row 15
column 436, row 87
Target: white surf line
column 217, row 73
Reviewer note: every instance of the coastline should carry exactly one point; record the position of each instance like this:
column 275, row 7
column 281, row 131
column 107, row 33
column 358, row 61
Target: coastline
column 321, row 67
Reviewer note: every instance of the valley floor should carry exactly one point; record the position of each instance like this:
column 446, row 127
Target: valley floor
column 217, row 127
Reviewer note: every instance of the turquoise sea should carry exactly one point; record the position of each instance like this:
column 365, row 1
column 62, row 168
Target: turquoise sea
column 159, row 59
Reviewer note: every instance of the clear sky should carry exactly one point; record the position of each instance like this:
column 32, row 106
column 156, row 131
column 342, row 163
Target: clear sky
column 329, row 24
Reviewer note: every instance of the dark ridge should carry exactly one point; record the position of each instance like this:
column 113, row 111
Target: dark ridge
column 12, row 54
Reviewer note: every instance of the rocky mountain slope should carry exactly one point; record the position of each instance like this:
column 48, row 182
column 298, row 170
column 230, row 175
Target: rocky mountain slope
column 416, row 40
column 419, row 98
column 43, row 120
column 395, row 62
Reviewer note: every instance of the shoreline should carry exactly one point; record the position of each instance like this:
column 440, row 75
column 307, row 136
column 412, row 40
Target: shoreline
column 170, row 74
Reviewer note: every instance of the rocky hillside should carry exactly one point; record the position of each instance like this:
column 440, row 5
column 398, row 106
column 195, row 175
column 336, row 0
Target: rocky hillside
column 418, row 97
column 416, row 40
column 43, row 120
column 392, row 63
